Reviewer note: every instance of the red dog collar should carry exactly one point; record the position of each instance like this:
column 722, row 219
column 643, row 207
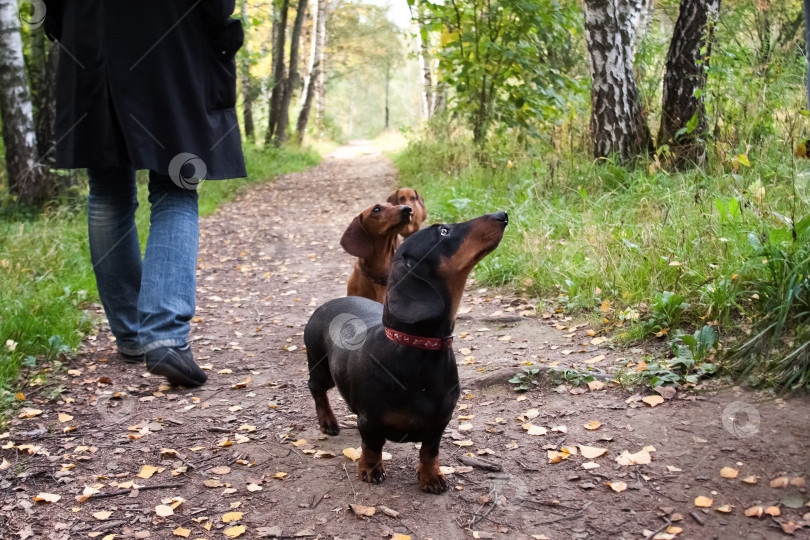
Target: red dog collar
column 431, row 344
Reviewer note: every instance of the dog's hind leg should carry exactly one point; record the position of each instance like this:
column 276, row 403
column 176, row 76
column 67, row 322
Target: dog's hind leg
column 370, row 465
column 320, row 381
column 431, row 480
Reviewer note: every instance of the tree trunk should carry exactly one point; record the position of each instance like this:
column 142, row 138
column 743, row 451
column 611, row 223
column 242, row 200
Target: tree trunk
column 685, row 76
column 762, row 12
column 24, row 171
column 644, row 24
column 277, row 94
column 244, row 75
column 292, row 78
column 42, row 65
column 387, row 92
column 315, row 55
column 320, row 80
column 618, row 125
column 428, row 99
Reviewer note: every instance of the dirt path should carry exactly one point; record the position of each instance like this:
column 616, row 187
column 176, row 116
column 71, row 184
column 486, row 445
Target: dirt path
column 237, row 444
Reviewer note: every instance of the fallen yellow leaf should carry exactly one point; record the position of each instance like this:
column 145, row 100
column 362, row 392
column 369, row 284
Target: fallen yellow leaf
column 180, row 531
column 242, row 384
column 703, row 502
column 147, row 471
column 728, row 472
column 352, row 453
column 725, row 509
column 231, row 516
column 235, row 532
column 102, row 515
column 47, row 497
column 782, row 481
column 652, row 401
column 593, row 386
column 773, row 511
column 360, row 510
column 592, row 452
column 642, row 457
column 593, row 425
column 618, row 487
column 754, row 511
column 164, row 511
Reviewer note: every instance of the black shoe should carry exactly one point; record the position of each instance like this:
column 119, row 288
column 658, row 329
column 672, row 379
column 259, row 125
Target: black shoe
column 177, row 365
column 133, row 358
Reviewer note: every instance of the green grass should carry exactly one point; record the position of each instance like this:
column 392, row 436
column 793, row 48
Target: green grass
column 585, row 236
column 46, row 278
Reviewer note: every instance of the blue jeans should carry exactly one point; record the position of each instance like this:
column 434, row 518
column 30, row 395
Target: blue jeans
column 148, row 302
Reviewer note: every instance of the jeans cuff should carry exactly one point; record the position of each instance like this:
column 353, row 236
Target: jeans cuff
column 176, row 342
column 131, row 351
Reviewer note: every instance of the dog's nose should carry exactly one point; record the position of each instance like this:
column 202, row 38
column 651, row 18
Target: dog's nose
column 407, row 210
column 501, row 216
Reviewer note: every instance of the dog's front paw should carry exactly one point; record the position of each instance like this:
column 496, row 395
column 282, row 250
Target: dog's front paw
column 371, row 472
column 432, row 481
column 328, row 424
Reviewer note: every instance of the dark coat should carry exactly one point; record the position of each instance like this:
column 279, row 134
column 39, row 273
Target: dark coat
column 141, row 81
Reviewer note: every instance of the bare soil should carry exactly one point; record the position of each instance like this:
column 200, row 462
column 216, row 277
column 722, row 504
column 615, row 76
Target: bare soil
column 248, row 441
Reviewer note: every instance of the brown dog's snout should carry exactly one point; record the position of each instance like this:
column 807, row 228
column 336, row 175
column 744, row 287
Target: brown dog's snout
column 407, row 210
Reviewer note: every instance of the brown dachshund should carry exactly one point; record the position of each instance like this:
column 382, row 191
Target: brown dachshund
column 394, row 363
column 373, row 237
column 412, row 198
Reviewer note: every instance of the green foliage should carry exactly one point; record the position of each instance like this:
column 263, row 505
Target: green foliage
column 574, row 377
column 46, row 279
column 667, row 310
column 526, row 380
column 509, row 60
column 718, row 242
column 779, row 272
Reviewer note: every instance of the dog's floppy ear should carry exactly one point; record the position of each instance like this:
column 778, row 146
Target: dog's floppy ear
column 355, row 240
column 419, row 199
column 394, row 198
column 411, row 298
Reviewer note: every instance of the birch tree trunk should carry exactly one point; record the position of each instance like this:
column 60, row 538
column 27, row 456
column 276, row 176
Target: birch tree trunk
column 315, row 55
column 618, row 125
column 645, row 19
column 428, row 99
column 685, row 76
column 277, row 94
column 24, row 172
column 320, row 80
column 244, row 76
column 292, row 77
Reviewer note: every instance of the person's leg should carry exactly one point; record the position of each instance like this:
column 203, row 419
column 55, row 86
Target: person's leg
column 168, row 286
column 115, row 252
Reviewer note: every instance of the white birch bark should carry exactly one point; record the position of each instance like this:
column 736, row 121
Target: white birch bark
column 617, row 122
column 19, row 136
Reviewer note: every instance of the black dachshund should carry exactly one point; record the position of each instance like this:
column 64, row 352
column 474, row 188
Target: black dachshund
column 394, row 364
